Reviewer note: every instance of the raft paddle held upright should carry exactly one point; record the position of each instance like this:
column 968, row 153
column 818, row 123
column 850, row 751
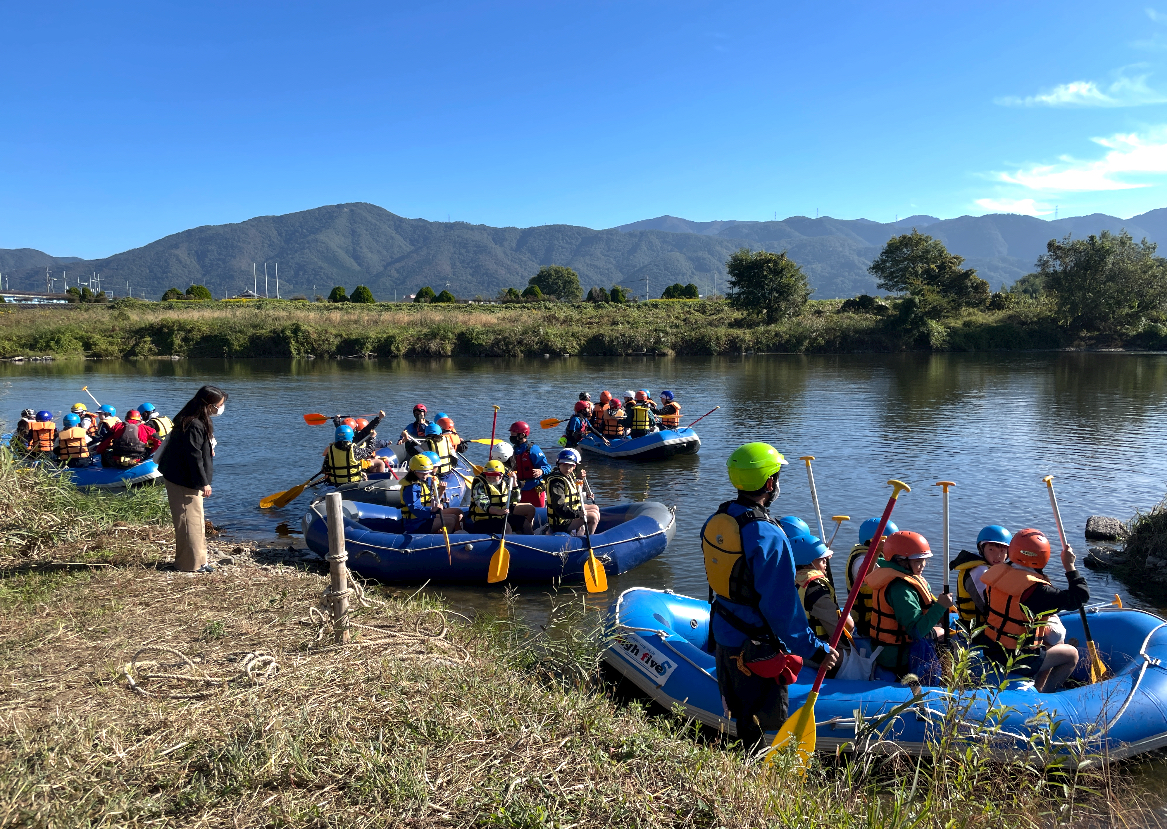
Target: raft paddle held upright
column 698, row 420
column 814, row 495
column 945, row 485
column 493, row 423
column 91, row 397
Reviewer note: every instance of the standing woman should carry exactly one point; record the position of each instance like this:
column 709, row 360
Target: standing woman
column 187, row 466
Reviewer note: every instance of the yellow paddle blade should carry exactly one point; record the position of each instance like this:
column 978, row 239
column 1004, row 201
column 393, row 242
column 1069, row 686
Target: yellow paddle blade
column 270, row 501
column 798, row 732
column 285, row 498
column 1118, row 600
column 549, row 423
column 595, row 578
column 500, row 564
column 1098, row 668
column 487, row 441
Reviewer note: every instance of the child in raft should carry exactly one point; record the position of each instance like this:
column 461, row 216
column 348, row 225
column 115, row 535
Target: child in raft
column 812, row 561
column 421, row 509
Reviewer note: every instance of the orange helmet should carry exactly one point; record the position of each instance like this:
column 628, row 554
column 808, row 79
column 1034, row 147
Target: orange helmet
column 348, row 421
column 605, row 396
column 446, row 423
column 1029, row 548
column 361, row 423
column 906, row 544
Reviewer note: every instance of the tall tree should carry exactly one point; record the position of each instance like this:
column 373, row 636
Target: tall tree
column 363, row 295
column 921, row 266
column 338, row 294
column 198, row 292
column 426, row 294
column 558, row 281
column 770, row 284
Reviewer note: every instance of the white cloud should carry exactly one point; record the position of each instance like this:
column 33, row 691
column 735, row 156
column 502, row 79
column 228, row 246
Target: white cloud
column 1129, row 155
column 1157, row 16
column 1125, row 91
column 1026, row 207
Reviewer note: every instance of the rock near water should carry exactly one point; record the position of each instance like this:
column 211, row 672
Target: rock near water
column 1104, row 528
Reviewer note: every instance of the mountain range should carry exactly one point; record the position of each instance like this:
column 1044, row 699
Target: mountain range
column 351, row 244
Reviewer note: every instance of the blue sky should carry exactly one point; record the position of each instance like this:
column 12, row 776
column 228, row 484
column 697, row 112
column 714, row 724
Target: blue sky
column 121, row 123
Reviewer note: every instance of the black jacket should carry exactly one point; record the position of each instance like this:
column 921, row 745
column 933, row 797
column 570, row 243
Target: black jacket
column 187, row 460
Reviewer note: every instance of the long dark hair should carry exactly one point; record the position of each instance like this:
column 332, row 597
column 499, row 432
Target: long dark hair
column 200, row 407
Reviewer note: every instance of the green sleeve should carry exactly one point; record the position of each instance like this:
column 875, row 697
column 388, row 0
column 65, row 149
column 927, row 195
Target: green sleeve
column 906, row 603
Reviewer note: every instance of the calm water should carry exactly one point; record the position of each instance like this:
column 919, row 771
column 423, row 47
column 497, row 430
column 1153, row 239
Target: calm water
column 995, row 424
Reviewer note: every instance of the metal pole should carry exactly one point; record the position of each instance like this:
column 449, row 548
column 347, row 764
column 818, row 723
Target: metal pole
column 337, row 558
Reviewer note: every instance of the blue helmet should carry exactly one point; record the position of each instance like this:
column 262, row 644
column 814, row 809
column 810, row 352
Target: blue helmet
column 433, row 456
column 568, row 456
column 147, row 408
column 432, row 429
column 868, row 528
column 793, row 526
column 344, row 433
column 808, row 549
column 666, row 395
column 440, row 415
column 72, row 420
column 107, row 409
column 43, row 416
column 995, row 533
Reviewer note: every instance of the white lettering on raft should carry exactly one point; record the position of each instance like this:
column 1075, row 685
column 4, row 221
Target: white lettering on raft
column 647, row 659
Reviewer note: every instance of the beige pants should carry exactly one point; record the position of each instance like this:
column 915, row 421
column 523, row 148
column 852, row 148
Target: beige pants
column 190, row 531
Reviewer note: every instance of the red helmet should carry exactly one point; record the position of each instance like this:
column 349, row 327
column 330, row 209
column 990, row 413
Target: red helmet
column 906, row 544
column 446, row 423
column 520, row 427
column 581, row 406
column 1029, row 548
column 348, row 421
column 135, row 416
column 361, row 423
column 420, row 407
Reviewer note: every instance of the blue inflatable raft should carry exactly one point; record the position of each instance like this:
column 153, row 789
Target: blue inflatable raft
column 628, row 536
column 662, row 647
column 655, row 446
column 98, row 477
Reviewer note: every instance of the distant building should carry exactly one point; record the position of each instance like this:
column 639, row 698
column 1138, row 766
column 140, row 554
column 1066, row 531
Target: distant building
column 31, row 298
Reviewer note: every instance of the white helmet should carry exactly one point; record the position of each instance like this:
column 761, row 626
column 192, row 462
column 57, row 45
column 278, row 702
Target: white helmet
column 503, row 452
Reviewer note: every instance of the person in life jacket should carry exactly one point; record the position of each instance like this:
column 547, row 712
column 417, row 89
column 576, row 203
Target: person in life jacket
column 157, row 421
column 612, row 422
column 88, row 418
column 505, row 453
column 639, row 418
column 451, row 433
column 73, row 443
column 861, row 610
column 566, row 510
column 341, row 465
column 992, row 548
column 577, row 424
column 531, row 465
column 42, row 433
column 128, row 443
column 1020, row 603
column 107, row 420
column 669, row 414
column 413, row 435
column 903, row 609
column 494, row 498
column 759, row 630
column 366, row 448
column 420, row 508
column 600, row 409
column 18, row 443
column 812, row 558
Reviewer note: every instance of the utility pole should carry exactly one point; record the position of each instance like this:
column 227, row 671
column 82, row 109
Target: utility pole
column 254, row 281
column 646, row 287
column 277, row 280
column 265, row 293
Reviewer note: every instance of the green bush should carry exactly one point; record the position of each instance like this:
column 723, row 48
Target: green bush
column 445, row 297
column 425, row 295
column 198, row 292
column 338, row 294
column 362, row 295
column 532, row 292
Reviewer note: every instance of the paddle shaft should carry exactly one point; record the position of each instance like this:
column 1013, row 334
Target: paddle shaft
column 1049, row 482
column 944, row 485
column 91, row 397
column 814, row 495
column 698, row 420
column 493, row 423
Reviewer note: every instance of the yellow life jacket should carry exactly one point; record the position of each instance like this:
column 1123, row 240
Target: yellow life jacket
column 41, row 436
column 497, row 495
column 726, row 567
column 640, row 419
column 805, row 578
column 73, row 444
column 341, row 465
column 110, row 421
column 861, row 610
column 1008, row 620
column 966, row 604
column 574, row 500
column 885, row 628
column 161, row 424
column 442, row 446
column 670, row 415
column 429, row 498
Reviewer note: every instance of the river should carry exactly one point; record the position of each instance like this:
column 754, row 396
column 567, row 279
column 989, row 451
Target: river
column 993, row 423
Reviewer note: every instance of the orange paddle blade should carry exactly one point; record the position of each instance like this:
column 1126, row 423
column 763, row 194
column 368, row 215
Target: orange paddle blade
column 316, row 419
column 549, row 423
column 595, row 578
column 798, row 732
column 500, row 564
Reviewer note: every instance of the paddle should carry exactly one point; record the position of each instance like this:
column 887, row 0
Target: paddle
column 91, row 397
column 799, row 729
column 698, row 420
column 282, row 499
column 491, row 442
column 947, row 588
column 595, row 578
column 552, row 422
column 838, row 519
column 500, row 562
column 316, row 419
column 493, row 423
column 1098, row 668
column 814, row 495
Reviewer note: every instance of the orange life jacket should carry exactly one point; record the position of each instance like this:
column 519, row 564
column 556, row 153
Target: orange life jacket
column 670, row 415
column 612, row 425
column 1007, row 618
column 41, row 436
column 73, row 444
column 885, row 628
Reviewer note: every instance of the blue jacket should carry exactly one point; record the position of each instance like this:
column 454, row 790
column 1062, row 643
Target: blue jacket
column 574, row 425
column 423, row 516
column 538, row 461
column 415, row 429
column 771, row 562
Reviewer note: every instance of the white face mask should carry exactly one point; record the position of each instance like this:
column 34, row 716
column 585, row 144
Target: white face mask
column 219, row 410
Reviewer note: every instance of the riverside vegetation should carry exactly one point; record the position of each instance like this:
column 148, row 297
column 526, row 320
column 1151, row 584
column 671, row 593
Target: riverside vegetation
column 427, row 719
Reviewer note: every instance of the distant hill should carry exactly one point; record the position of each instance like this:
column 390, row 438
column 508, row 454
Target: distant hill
column 351, row 244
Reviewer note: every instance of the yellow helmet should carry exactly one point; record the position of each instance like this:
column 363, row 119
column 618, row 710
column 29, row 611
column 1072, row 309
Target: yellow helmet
column 78, row 408
column 420, row 463
column 494, row 467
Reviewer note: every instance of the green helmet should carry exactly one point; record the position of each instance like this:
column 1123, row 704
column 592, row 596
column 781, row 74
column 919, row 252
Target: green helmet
column 752, row 464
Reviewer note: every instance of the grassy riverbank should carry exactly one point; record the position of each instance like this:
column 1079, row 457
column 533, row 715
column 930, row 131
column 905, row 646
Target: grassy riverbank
column 428, row 719
column 295, row 329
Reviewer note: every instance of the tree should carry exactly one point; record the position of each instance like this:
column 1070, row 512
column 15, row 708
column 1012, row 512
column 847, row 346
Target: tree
column 1104, row 281
column 559, row 282
column 618, row 294
column 509, row 294
column 426, row 294
column 446, row 297
column 598, row 294
column 922, row 267
column 532, row 292
column 198, row 292
column 679, row 291
column 1031, row 285
column 171, row 294
column 363, row 295
column 338, row 294
column 766, row 283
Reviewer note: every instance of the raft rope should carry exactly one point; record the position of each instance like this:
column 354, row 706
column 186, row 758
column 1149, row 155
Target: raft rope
column 254, row 668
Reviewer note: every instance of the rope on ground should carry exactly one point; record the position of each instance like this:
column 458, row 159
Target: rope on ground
column 178, row 677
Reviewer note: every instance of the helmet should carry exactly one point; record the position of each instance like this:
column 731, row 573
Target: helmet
column 350, row 421
column 793, row 526
column 134, row 416
column 752, row 464
column 109, row 410
column 641, row 396
column 79, row 408
column 446, row 422
column 629, row 395
column 420, row 407
column 906, row 544
column 494, row 467
column 605, row 396
column 520, row 427
column 581, row 406
column 433, row 456
column 666, row 395
column 584, row 396
column 1029, row 548
column 362, row 423
column 43, row 416
column 433, row 429
column 147, row 408
column 344, row 433
column 28, row 414
column 440, row 415
column 614, row 403
column 568, row 456
column 867, row 529
column 421, row 463
column 504, row 452
column 72, row 420
column 808, row 549
column 995, row 533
